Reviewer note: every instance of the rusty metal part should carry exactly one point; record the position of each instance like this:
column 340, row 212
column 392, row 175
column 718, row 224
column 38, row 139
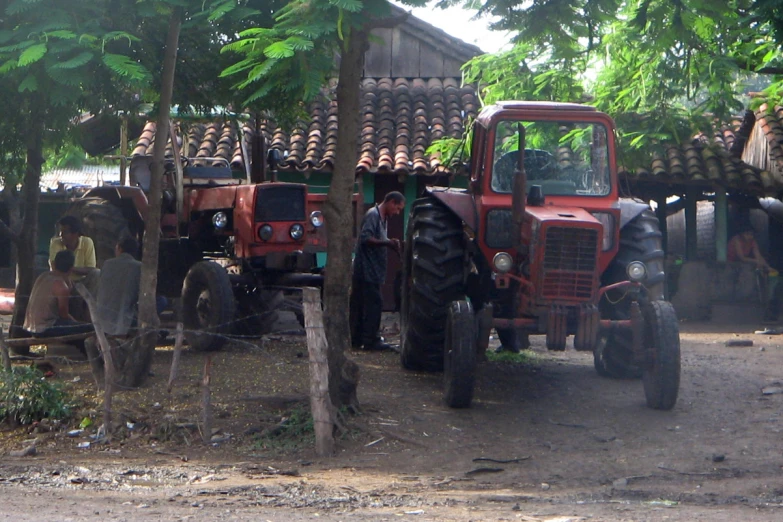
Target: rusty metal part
column 504, row 281
column 622, row 285
column 557, row 328
column 608, row 325
column 588, row 326
column 637, row 331
column 519, row 322
column 484, row 323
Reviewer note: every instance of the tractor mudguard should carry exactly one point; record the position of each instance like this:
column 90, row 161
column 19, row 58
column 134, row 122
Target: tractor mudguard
column 458, row 201
column 629, row 209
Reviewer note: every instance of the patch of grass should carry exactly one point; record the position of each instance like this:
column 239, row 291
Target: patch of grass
column 26, row 396
column 525, row 357
column 295, row 430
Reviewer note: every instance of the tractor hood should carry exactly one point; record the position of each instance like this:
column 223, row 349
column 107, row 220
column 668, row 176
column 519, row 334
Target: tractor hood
column 567, row 216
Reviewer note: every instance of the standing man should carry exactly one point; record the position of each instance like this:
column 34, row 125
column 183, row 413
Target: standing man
column 369, row 273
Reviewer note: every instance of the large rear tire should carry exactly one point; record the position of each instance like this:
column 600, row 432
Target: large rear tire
column 102, row 222
column 433, row 277
column 640, row 240
column 459, row 355
column 661, row 375
column 208, row 306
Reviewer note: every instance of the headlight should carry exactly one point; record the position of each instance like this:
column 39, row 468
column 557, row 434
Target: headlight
column 637, row 271
column 316, row 218
column 607, row 220
column 220, row 220
column 502, row 262
column 265, row 232
column 296, row 231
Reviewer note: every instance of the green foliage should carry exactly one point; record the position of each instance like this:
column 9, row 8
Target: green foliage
column 287, row 63
column 26, row 396
column 524, row 357
column 664, row 70
column 294, row 431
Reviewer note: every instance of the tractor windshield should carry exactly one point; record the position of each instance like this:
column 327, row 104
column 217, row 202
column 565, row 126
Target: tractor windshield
column 563, row 158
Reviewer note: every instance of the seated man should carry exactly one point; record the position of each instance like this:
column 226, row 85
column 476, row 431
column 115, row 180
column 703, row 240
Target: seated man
column 48, row 314
column 743, row 248
column 70, row 238
column 118, row 289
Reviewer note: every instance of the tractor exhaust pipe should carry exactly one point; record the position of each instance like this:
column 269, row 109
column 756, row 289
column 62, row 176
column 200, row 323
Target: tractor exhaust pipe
column 519, row 192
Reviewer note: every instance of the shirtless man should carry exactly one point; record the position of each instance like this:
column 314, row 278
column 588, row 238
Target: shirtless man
column 48, row 313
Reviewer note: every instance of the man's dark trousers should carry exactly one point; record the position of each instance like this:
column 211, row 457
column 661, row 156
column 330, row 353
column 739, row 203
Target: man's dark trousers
column 366, row 308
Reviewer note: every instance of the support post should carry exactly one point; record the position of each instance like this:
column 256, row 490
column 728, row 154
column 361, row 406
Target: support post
column 721, row 225
column 691, row 224
column 320, row 403
column 124, row 151
column 660, row 213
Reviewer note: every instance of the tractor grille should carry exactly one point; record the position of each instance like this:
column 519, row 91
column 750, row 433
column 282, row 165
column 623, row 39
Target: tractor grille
column 280, row 203
column 570, row 256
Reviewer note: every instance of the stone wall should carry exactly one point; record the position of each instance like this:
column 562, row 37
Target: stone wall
column 700, row 286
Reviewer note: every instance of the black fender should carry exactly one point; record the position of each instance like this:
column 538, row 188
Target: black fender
column 459, row 201
column 629, row 209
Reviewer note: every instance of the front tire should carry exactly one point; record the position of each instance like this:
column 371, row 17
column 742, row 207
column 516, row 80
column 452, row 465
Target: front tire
column 208, row 306
column 459, row 357
column 433, row 277
column 640, row 240
column 661, row 375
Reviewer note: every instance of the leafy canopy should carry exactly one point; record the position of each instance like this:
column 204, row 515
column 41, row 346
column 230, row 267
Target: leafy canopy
column 663, row 69
column 286, row 64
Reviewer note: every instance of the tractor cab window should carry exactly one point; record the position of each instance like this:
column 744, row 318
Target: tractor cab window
column 564, row 158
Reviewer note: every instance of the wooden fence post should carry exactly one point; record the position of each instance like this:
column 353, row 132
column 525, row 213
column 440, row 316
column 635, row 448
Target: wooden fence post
column 206, row 402
column 320, row 402
column 5, row 353
column 175, row 358
column 108, row 360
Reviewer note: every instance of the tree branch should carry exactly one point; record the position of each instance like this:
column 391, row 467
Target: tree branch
column 764, row 70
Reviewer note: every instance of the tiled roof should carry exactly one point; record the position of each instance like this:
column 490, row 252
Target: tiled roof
column 770, row 122
column 202, row 141
column 400, row 119
column 707, row 161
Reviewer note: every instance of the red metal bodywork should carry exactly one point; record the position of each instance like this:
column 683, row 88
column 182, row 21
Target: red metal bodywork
column 557, row 276
column 240, row 202
column 569, row 211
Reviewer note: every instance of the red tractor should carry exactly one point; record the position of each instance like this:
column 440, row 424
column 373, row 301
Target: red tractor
column 231, row 249
column 540, row 243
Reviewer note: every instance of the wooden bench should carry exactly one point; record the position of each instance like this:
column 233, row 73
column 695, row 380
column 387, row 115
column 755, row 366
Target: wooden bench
column 23, row 342
column 55, row 346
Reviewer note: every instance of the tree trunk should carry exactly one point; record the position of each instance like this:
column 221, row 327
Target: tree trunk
column 148, row 315
column 28, row 236
column 343, row 373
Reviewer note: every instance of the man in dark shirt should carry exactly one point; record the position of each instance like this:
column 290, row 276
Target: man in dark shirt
column 118, row 291
column 369, row 273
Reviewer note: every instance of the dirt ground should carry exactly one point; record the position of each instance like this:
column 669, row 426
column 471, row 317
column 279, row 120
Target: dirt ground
column 566, row 444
